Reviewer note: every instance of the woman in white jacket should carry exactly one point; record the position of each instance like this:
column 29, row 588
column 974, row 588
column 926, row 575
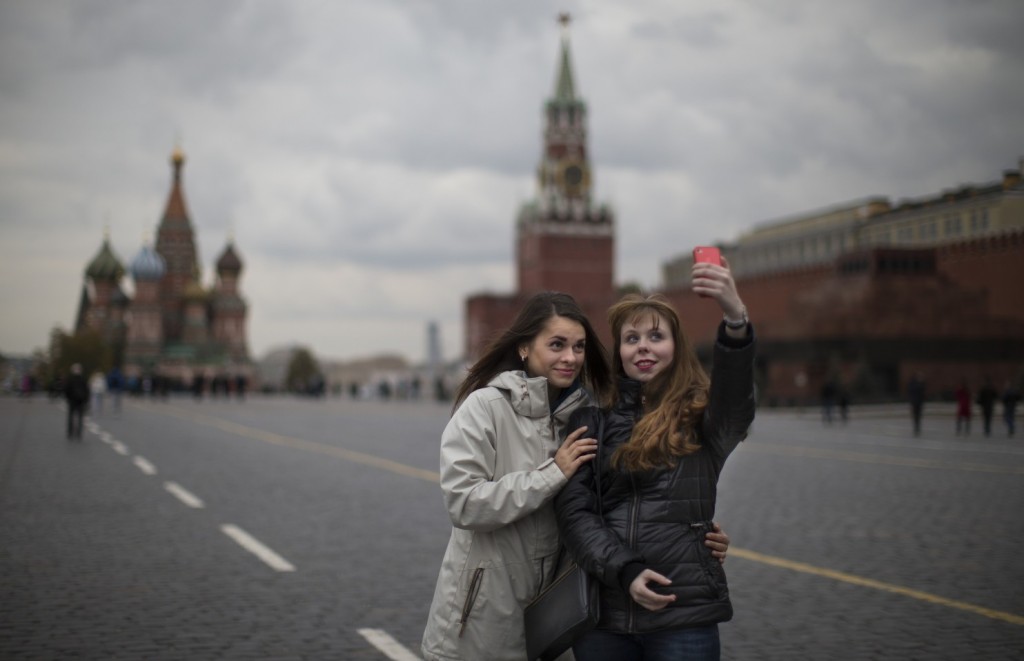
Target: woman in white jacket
column 501, row 466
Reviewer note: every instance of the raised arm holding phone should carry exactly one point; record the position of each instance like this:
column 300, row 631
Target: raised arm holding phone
column 668, row 430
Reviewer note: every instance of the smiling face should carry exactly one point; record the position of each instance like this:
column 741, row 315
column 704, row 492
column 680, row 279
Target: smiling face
column 556, row 352
column 646, row 347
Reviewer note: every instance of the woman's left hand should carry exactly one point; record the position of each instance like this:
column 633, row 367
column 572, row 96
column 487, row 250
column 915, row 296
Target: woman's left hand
column 718, row 542
column 716, row 282
column 647, row 597
column 575, row 451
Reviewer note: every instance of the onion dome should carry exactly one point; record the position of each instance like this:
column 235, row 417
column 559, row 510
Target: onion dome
column 105, row 266
column 148, row 265
column 194, row 293
column 228, row 262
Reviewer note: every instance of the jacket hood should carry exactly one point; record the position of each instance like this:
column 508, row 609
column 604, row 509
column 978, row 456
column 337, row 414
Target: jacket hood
column 528, row 395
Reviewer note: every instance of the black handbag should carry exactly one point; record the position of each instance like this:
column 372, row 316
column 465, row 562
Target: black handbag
column 570, row 606
column 561, row 613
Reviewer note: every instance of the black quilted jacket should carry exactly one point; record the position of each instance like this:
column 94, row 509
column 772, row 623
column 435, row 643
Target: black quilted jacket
column 658, row 518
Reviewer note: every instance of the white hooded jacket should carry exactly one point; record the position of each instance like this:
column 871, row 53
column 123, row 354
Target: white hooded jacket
column 498, row 477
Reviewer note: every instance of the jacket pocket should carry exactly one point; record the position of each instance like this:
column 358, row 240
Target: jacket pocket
column 474, row 590
column 711, row 569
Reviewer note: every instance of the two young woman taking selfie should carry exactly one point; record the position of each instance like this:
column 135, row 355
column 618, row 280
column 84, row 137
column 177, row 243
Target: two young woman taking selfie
column 521, row 443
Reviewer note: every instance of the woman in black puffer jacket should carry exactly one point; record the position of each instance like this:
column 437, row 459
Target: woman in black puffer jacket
column 663, row 442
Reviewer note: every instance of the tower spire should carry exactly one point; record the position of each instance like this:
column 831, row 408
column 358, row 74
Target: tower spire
column 175, row 243
column 564, row 88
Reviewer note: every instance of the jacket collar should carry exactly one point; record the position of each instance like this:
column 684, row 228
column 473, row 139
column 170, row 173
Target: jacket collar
column 630, row 394
column 529, row 395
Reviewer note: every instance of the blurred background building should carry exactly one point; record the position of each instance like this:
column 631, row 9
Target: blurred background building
column 172, row 327
column 861, row 295
column 867, row 293
column 565, row 241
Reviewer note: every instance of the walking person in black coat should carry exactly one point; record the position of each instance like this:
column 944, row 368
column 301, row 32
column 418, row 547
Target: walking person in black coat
column 916, row 395
column 987, row 397
column 1010, row 397
column 664, row 439
column 76, row 392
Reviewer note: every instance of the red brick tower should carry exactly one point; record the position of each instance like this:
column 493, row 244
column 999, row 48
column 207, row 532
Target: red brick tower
column 564, row 241
column 175, row 243
column 228, row 307
column 103, row 302
column 145, row 333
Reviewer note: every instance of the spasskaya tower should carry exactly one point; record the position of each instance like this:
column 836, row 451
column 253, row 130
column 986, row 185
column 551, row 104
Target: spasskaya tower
column 564, row 240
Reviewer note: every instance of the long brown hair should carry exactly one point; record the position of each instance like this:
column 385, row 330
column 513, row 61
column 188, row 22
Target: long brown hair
column 675, row 399
column 503, row 352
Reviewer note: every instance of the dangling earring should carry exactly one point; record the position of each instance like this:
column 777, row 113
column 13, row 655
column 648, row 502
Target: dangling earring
column 522, row 358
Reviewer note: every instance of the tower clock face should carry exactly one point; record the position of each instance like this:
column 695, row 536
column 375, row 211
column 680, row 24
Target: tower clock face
column 573, row 177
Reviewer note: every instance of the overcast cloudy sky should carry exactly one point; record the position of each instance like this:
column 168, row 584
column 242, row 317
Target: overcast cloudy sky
column 370, row 156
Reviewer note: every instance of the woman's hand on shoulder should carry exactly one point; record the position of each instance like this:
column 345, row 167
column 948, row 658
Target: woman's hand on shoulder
column 647, row 597
column 575, row 451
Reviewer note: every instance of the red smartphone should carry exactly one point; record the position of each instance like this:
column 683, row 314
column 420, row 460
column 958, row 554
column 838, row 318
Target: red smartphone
column 708, row 254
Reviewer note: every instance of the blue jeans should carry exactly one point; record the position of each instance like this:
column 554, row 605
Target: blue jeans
column 699, row 644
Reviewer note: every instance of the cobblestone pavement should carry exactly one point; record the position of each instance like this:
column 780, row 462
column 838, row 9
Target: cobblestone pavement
column 853, row 541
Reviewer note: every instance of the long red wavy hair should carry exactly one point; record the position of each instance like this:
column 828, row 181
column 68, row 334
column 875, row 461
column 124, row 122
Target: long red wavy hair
column 674, row 400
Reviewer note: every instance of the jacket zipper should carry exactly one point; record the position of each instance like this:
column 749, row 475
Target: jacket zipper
column 551, row 416
column 474, row 589
column 634, row 517
column 634, row 521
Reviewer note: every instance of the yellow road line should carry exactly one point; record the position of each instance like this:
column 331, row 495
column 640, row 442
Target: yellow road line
column 301, row 444
column 877, row 585
column 863, row 457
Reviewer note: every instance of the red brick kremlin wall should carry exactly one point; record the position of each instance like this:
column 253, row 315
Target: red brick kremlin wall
column 963, row 319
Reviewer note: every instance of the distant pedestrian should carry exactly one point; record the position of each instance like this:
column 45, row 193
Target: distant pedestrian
column 916, row 394
column 98, row 388
column 987, row 397
column 963, row 408
column 828, row 401
column 1011, row 395
column 844, row 404
column 115, row 386
column 76, row 393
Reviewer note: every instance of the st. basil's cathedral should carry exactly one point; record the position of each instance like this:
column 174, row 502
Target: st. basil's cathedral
column 172, row 327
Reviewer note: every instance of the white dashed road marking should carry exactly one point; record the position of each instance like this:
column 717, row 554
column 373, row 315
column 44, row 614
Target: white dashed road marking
column 257, row 548
column 144, row 465
column 388, row 645
column 184, row 496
